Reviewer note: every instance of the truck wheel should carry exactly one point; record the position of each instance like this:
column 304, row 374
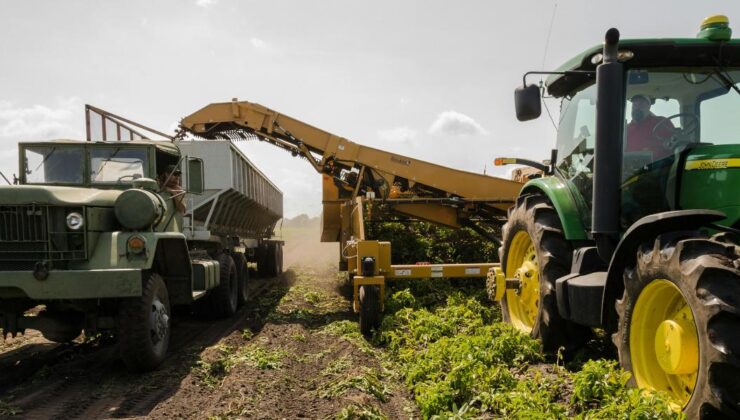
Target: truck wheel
column 536, row 253
column 224, row 297
column 369, row 309
column 143, row 326
column 679, row 319
column 242, row 271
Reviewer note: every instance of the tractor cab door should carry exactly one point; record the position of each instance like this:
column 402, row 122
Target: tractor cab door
column 575, row 143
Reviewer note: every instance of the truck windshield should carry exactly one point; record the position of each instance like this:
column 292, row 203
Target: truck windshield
column 54, row 165
column 111, row 165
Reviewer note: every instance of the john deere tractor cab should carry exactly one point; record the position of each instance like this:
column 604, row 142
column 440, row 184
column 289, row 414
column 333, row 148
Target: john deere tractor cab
column 635, row 227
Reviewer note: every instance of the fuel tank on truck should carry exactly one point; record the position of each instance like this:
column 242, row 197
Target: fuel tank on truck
column 238, row 199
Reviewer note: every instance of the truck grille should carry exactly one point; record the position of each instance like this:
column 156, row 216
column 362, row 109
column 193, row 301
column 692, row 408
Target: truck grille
column 31, row 233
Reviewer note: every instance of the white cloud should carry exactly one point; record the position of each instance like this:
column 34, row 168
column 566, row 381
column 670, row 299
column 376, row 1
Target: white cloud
column 397, row 135
column 39, row 122
column 453, row 123
column 205, row 3
column 64, row 119
column 260, row 45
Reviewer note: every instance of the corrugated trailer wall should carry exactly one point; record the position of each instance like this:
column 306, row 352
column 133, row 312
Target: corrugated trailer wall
column 247, row 203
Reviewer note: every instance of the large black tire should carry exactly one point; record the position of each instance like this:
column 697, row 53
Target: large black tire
column 263, row 260
column 223, row 299
column 534, row 309
column 705, row 272
column 143, row 326
column 273, row 260
column 370, row 310
column 242, row 271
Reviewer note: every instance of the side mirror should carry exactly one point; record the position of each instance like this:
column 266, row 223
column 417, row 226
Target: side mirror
column 196, row 181
column 528, row 103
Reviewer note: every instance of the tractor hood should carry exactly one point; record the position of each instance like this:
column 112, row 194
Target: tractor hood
column 57, row 196
column 710, row 178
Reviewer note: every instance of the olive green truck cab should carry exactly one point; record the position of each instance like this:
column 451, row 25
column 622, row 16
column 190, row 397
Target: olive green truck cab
column 91, row 232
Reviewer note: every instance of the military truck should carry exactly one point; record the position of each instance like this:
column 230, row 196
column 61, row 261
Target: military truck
column 91, row 233
column 635, row 228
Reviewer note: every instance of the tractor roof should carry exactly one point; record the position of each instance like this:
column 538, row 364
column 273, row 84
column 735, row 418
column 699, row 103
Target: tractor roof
column 680, row 52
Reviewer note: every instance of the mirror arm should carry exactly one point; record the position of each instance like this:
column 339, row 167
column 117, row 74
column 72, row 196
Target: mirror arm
column 566, row 73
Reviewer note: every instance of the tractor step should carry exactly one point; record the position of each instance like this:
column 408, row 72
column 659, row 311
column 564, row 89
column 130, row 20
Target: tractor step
column 579, row 297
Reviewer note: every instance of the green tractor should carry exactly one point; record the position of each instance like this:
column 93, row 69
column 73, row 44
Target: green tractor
column 635, row 226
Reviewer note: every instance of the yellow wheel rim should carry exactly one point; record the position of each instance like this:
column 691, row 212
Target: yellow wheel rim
column 521, row 263
column 663, row 343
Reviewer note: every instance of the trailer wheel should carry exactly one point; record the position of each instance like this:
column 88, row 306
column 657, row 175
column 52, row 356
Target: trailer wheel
column 143, row 326
column 536, row 253
column 278, row 259
column 678, row 323
column 223, row 299
column 370, row 311
column 273, row 260
column 242, row 271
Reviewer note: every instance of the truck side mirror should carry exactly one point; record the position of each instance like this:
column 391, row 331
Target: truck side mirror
column 196, row 182
column 527, row 102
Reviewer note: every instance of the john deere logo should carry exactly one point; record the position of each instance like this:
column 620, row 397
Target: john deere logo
column 707, row 164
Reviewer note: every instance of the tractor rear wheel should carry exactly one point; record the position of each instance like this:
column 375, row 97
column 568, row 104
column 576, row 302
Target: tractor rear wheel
column 679, row 319
column 536, row 253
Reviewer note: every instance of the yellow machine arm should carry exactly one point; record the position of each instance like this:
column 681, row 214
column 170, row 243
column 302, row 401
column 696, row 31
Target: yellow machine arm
column 408, row 186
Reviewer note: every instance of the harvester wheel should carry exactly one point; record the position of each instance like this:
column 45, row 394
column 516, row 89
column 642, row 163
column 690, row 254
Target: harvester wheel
column 242, row 271
column 536, row 253
column 370, row 311
column 224, row 297
column 679, row 319
column 143, row 326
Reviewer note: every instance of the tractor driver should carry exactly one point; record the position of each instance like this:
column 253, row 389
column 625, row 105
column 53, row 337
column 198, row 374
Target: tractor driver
column 169, row 181
column 642, row 135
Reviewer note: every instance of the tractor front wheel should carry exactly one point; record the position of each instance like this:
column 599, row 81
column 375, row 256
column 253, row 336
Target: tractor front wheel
column 679, row 319
column 535, row 253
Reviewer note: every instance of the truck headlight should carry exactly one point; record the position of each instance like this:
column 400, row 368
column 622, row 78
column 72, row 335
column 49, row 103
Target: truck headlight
column 75, row 221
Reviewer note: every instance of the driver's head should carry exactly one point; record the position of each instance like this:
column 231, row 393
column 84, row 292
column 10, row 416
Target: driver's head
column 640, row 107
column 171, row 175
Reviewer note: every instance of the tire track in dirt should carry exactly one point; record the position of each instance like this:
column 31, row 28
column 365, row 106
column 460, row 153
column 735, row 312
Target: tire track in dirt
column 93, row 383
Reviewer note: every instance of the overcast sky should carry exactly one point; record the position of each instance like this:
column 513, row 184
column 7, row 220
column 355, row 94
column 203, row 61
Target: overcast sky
column 429, row 79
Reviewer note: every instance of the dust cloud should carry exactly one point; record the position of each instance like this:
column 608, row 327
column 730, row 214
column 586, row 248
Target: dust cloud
column 303, row 246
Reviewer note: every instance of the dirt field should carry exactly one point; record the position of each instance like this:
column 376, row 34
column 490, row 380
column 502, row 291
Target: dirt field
column 293, row 351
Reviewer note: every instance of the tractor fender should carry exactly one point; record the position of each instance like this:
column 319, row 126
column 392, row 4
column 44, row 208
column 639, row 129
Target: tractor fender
column 562, row 199
column 646, row 230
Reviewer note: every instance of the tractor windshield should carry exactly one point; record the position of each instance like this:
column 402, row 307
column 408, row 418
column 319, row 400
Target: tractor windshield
column 666, row 111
